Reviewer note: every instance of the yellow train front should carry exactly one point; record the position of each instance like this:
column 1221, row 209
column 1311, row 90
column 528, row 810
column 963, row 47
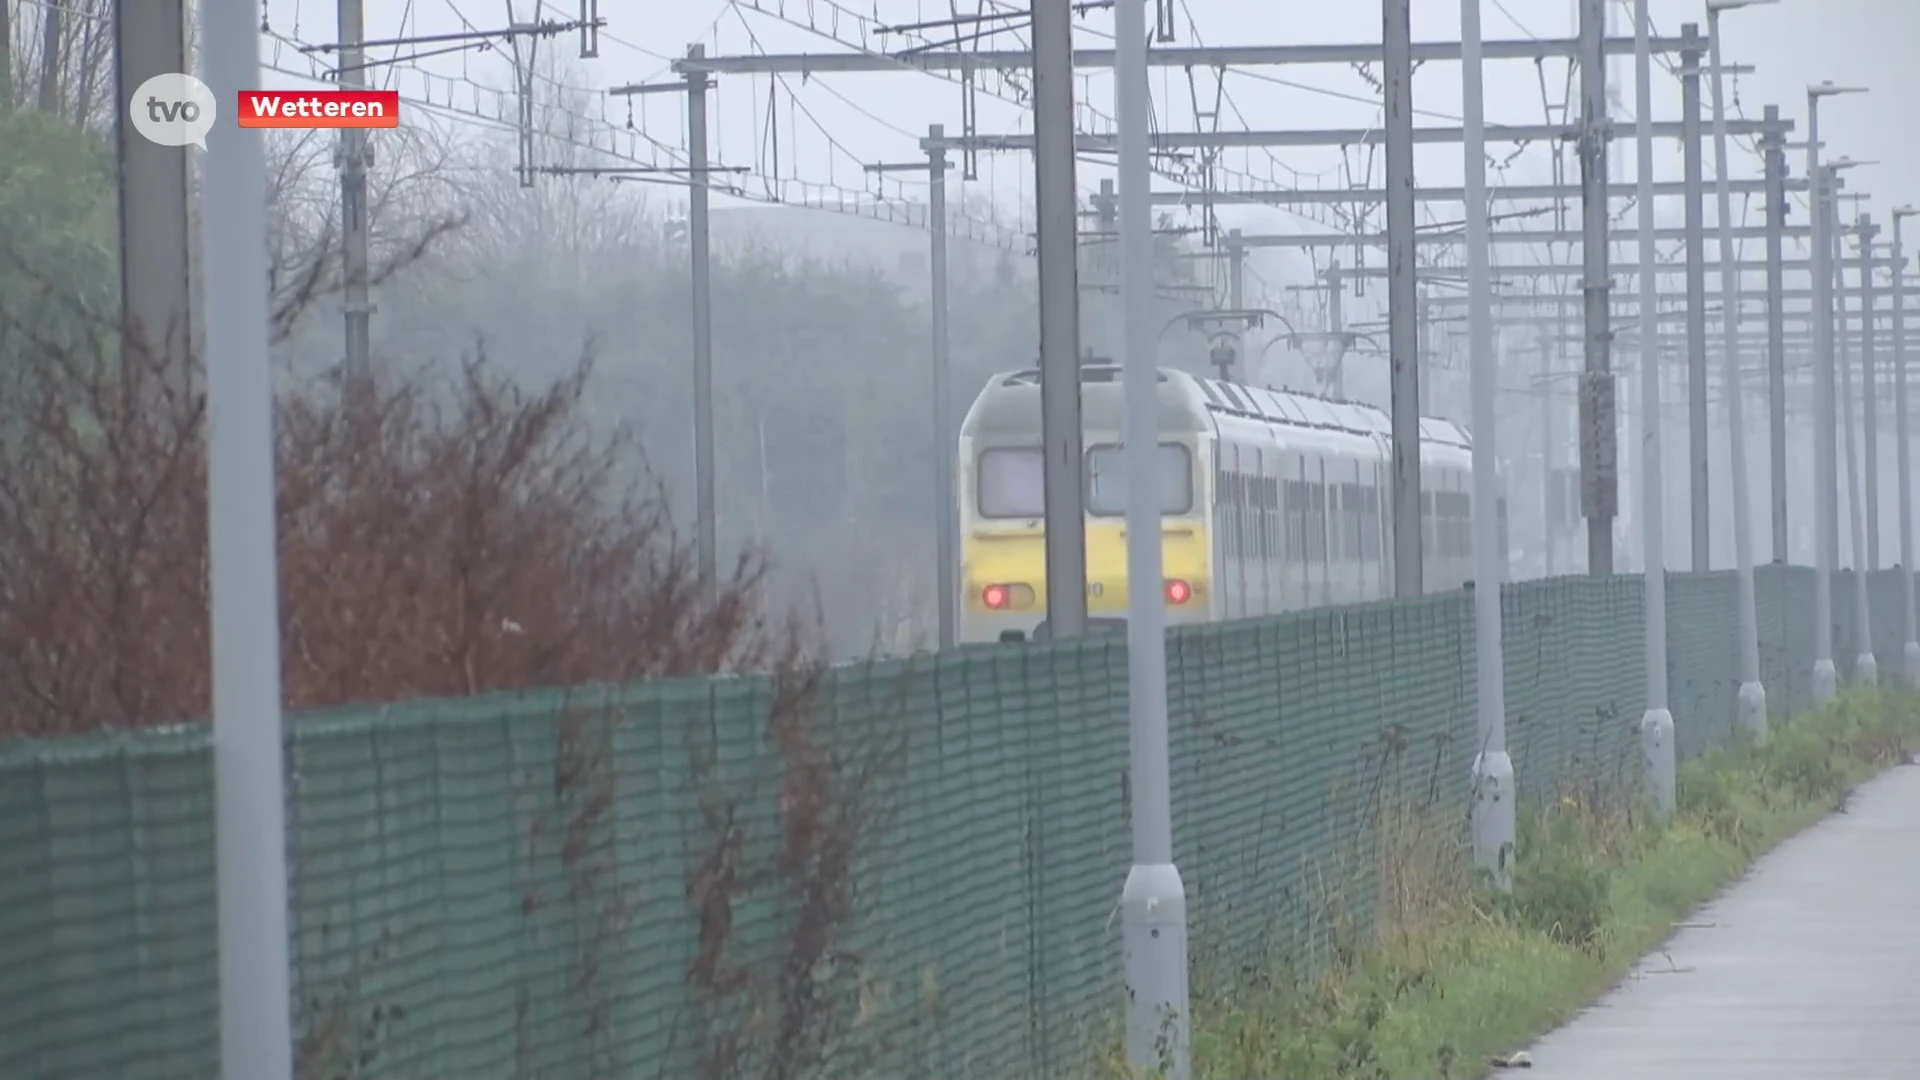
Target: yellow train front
column 1271, row 502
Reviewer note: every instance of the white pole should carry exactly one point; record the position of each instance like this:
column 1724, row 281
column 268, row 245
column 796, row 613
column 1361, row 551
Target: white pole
column 256, row 1041
column 1153, row 902
column 1493, row 790
column 1905, row 459
column 1656, row 725
column 1751, row 711
column 1826, row 677
column 1865, row 669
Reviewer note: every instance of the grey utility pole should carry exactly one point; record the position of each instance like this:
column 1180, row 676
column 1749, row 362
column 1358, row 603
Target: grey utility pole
column 156, row 295
column 249, row 756
column 1549, row 479
column 946, row 519
column 1493, row 789
column 1237, row 298
column 1826, row 677
column 1099, row 320
column 1236, row 272
column 1599, row 490
column 1153, row 902
column 698, row 224
column 1775, row 148
column 1696, row 218
column 1403, row 330
column 1656, row 725
column 1865, row 667
column 1869, row 394
column 1911, row 651
column 1751, row 699
column 1056, row 251
column 1337, row 327
column 696, row 73
column 352, row 156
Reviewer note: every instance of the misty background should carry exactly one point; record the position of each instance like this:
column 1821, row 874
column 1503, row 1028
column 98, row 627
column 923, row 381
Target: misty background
column 820, row 304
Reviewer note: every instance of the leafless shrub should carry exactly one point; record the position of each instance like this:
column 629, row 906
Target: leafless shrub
column 790, row 1014
column 434, row 540
column 345, row 1027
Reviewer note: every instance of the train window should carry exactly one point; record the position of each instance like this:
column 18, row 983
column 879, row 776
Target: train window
column 1369, row 540
column 1337, row 505
column 1455, row 520
column 1317, row 522
column 1107, row 480
column 1374, row 524
column 1257, row 518
column 1363, row 518
column 1356, row 529
column 1239, row 485
column 1010, row 483
column 1294, row 505
column 1249, row 517
column 1274, row 524
column 1323, row 502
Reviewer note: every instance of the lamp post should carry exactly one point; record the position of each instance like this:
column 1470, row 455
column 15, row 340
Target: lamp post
column 1826, row 678
column 1911, row 652
column 1752, row 699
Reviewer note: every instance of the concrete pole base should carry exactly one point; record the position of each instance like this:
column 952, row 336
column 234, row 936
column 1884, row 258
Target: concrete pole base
column 1866, row 670
column 1751, row 712
column 1153, row 934
column 1656, row 749
column 1911, row 651
column 1826, row 683
column 1493, row 817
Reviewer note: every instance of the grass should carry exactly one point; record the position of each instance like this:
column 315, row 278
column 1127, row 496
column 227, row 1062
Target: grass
column 1460, row 974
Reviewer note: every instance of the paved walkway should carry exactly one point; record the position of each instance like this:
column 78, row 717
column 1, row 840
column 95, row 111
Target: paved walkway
column 1809, row 969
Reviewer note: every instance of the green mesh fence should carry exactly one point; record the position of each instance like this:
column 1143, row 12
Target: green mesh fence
column 904, row 870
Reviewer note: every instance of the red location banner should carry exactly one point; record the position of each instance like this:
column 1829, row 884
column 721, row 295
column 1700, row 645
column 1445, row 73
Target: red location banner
column 319, row 108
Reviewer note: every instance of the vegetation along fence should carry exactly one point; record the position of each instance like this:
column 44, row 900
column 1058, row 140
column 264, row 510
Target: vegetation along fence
column 904, row 869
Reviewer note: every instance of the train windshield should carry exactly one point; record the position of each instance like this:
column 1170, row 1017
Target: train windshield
column 1010, row 483
column 1107, row 480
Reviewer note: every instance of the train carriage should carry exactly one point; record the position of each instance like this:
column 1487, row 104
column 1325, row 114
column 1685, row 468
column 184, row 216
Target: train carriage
column 1271, row 501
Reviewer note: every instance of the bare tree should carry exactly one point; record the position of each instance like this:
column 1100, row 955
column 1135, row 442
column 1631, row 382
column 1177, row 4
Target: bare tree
column 59, row 55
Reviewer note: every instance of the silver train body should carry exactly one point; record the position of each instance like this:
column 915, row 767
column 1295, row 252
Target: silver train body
column 1272, row 501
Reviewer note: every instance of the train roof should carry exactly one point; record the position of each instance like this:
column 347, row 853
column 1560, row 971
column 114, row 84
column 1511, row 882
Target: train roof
column 1264, row 403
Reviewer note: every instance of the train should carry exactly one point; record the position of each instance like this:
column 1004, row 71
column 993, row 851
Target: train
column 1272, row 501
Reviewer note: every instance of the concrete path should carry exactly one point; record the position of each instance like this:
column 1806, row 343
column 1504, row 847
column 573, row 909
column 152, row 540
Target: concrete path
column 1809, row 969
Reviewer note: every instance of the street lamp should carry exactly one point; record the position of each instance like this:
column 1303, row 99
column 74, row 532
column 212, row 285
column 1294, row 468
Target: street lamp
column 1911, row 651
column 1826, row 678
column 1751, row 710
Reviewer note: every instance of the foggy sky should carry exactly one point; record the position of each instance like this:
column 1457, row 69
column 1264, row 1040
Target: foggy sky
column 828, row 127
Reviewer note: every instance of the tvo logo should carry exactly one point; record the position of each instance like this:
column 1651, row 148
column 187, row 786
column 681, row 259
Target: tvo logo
column 173, row 110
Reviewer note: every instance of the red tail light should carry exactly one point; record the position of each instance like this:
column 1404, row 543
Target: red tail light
column 994, row 596
column 1178, row 592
